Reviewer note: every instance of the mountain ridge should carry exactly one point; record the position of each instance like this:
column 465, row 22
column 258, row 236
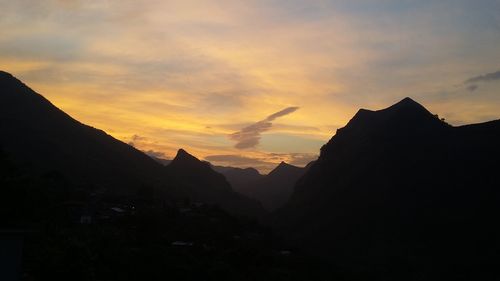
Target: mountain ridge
column 41, row 138
column 27, row 115
column 396, row 193
column 272, row 190
column 205, row 184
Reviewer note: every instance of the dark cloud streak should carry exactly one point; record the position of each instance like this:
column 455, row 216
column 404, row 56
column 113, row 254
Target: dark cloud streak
column 484, row 78
column 472, row 87
column 281, row 113
column 472, row 83
column 249, row 136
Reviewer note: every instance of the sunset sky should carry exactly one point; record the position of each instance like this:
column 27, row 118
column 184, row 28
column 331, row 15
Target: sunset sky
column 251, row 83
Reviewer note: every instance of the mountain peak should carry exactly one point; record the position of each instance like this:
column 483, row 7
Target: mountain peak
column 407, row 104
column 283, row 167
column 407, row 100
column 182, row 152
column 8, row 80
column 4, row 74
column 184, row 160
column 409, row 112
column 184, row 156
column 406, row 112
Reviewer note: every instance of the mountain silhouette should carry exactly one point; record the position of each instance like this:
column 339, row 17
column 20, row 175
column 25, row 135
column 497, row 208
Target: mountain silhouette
column 276, row 187
column 41, row 138
column 272, row 190
column 186, row 161
column 239, row 177
column 402, row 195
column 200, row 182
column 162, row 161
column 185, row 165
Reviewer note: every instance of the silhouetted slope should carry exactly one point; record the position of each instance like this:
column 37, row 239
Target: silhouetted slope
column 402, row 195
column 43, row 138
column 201, row 183
column 40, row 138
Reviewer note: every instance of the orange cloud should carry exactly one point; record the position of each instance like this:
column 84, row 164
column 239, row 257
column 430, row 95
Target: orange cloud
column 188, row 74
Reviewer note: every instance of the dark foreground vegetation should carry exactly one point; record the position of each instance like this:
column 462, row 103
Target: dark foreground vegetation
column 72, row 234
column 159, row 245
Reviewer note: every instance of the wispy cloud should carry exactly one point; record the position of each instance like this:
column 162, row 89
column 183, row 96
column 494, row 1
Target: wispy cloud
column 136, row 138
column 249, row 136
column 298, row 159
column 472, row 87
column 484, row 78
column 472, row 83
column 156, row 154
column 132, row 68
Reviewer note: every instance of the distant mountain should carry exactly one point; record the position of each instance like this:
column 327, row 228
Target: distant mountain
column 238, row 175
column 162, row 161
column 272, row 190
column 40, row 138
column 275, row 188
column 399, row 194
column 200, row 182
column 239, row 178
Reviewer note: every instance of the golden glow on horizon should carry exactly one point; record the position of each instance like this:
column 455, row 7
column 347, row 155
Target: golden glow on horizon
column 186, row 74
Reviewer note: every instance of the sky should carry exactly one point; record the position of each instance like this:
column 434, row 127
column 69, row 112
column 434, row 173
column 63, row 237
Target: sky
column 251, row 83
